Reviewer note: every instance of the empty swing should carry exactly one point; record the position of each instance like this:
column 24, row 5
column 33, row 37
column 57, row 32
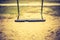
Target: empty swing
column 18, row 20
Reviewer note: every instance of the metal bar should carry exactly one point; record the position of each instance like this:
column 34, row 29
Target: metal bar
column 18, row 9
column 42, row 9
column 33, row 4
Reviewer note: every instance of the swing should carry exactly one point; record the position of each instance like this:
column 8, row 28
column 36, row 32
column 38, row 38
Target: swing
column 18, row 20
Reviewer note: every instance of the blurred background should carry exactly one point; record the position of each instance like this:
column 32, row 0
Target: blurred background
column 13, row 1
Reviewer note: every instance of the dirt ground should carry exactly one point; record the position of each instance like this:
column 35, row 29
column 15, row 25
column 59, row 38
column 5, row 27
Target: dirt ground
column 11, row 30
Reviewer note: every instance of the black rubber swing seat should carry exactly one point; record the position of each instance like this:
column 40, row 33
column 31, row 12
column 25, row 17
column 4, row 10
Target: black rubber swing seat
column 29, row 20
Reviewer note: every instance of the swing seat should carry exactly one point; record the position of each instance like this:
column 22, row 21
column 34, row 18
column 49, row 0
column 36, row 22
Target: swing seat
column 41, row 20
column 30, row 20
